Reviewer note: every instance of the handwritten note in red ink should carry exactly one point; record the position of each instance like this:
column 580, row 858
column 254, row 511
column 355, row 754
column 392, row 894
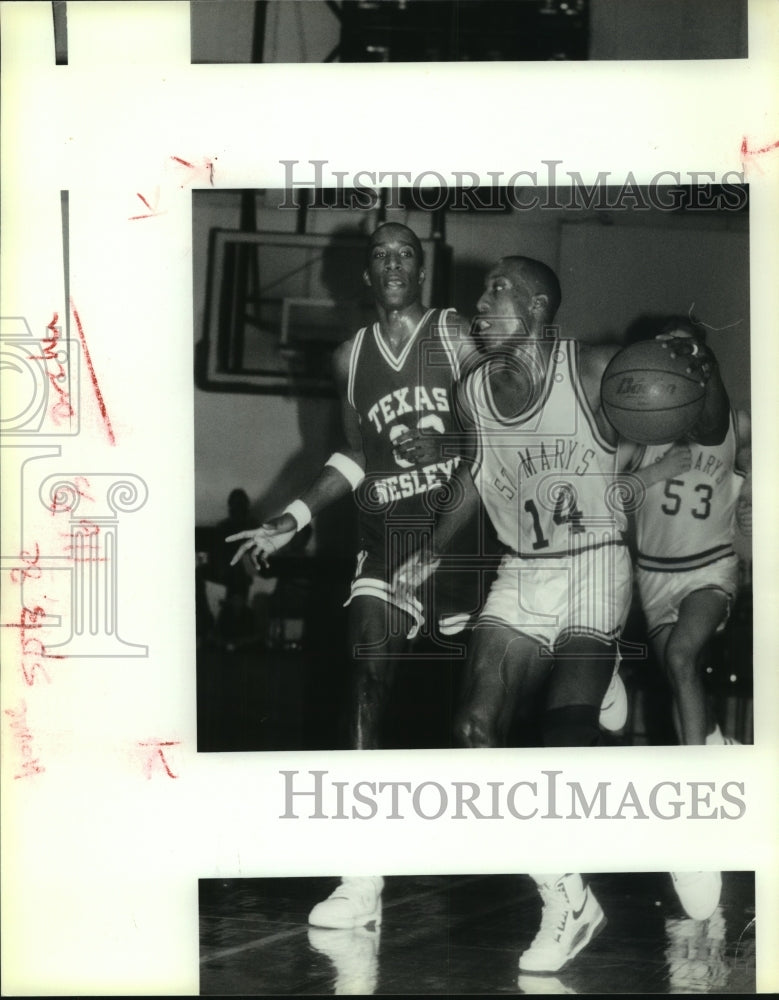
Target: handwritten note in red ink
column 154, row 756
column 89, row 541
column 31, row 653
column 93, row 377
column 179, row 173
column 749, row 156
column 62, row 408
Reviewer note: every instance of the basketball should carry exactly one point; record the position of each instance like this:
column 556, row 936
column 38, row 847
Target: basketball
column 648, row 396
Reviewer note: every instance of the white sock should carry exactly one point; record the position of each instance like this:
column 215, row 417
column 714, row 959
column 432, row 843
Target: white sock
column 715, row 738
column 377, row 880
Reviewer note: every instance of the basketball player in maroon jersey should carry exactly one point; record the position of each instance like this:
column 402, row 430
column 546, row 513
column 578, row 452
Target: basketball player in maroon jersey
column 395, row 382
column 545, row 461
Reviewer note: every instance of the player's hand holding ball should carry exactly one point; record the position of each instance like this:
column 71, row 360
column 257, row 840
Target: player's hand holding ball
column 683, row 345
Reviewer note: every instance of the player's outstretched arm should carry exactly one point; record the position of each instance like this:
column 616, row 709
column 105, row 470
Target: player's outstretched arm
column 342, row 472
column 264, row 541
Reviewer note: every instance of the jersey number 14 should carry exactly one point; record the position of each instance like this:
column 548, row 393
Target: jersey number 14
column 565, row 512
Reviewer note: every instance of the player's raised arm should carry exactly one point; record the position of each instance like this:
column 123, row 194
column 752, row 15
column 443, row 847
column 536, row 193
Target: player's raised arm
column 343, row 471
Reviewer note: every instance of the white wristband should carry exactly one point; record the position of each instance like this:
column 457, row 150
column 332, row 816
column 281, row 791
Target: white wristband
column 348, row 468
column 300, row 513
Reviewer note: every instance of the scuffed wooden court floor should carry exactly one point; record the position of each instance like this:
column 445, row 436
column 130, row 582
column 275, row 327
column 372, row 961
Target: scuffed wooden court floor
column 464, row 934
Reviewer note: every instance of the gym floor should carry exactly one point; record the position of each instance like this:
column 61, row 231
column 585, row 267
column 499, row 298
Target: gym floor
column 444, row 935
column 286, row 687
column 253, row 698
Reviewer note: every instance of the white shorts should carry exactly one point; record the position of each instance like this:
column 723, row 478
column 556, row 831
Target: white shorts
column 662, row 593
column 588, row 593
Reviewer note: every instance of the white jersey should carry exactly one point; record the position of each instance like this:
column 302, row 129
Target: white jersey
column 547, row 476
column 688, row 522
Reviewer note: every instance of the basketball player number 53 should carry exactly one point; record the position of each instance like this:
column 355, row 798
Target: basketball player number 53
column 701, row 511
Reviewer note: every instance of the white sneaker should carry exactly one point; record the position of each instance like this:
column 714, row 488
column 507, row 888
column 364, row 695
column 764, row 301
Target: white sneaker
column 614, row 707
column 565, row 928
column 698, row 892
column 355, row 903
column 355, row 957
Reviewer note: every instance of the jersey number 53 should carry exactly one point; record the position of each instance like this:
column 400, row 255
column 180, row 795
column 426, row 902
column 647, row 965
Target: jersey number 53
column 702, row 505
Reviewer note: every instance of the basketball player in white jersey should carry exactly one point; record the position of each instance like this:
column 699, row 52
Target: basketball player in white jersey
column 697, row 490
column 545, row 466
column 687, row 569
column 395, row 383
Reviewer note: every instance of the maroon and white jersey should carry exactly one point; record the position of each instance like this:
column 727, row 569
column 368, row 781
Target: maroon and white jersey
column 393, row 394
column 399, row 500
